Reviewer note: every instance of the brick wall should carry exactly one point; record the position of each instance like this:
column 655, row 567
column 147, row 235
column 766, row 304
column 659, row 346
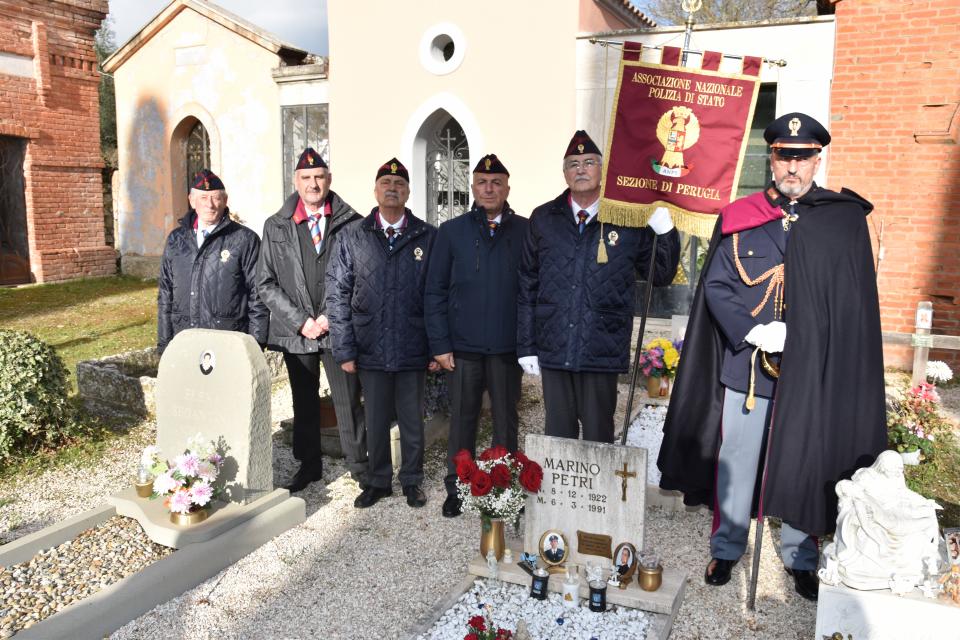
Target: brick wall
column 57, row 111
column 895, row 120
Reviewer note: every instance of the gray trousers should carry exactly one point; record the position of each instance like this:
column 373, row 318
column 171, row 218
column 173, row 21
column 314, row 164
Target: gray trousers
column 572, row 398
column 389, row 394
column 345, row 391
column 500, row 375
column 744, row 436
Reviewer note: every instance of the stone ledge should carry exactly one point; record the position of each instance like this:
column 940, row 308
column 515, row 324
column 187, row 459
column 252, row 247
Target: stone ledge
column 155, row 518
column 23, row 549
column 111, row 608
column 665, row 600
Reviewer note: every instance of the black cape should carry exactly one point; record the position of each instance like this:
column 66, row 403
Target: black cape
column 829, row 416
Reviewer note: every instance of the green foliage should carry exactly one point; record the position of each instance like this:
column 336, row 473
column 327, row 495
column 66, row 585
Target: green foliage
column 104, row 45
column 913, row 421
column 33, row 393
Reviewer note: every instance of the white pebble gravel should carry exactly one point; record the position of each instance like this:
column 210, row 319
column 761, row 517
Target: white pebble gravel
column 646, row 431
column 511, row 603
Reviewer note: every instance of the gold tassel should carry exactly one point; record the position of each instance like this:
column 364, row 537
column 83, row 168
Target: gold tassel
column 751, row 399
column 601, row 249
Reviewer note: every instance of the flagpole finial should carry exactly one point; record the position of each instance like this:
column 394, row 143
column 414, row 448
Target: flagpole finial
column 691, row 6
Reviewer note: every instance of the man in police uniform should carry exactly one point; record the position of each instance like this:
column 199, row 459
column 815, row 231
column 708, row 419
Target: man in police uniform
column 745, row 289
column 208, row 271
column 374, row 297
column 471, row 314
column 297, row 244
column 575, row 314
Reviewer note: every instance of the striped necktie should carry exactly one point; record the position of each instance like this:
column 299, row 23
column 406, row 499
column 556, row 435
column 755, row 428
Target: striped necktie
column 314, row 222
column 583, row 216
column 391, row 236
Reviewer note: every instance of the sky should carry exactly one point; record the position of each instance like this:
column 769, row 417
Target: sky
column 302, row 23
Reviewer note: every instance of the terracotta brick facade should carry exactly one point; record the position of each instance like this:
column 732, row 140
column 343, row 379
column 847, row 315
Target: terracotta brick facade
column 57, row 112
column 895, row 115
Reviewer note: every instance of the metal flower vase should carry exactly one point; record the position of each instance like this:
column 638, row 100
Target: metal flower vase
column 195, row 516
column 491, row 537
column 658, row 387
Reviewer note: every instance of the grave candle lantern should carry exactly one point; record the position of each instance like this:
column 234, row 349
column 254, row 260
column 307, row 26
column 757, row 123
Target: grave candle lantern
column 538, row 585
column 598, row 596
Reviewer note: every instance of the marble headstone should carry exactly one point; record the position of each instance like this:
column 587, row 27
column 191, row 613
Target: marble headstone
column 589, row 487
column 218, row 383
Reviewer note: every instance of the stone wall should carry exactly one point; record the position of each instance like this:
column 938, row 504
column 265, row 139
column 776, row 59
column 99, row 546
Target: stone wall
column 55, row 107
column 895, row 120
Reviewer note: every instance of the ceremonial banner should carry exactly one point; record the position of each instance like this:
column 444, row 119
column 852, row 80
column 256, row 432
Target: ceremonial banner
column 677, row 139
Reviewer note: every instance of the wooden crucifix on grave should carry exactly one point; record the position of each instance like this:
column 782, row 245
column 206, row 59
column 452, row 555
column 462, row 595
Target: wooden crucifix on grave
column 623, row 475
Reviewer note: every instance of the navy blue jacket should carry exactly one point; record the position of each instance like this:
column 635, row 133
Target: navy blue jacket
column 374, row 295
column 472, row 283
column 574, row 313
column 730, row 301
column 213, row 287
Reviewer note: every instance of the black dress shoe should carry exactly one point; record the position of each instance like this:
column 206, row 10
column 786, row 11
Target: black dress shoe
column 721, row 572
column 370, row 496
column 452, row 507
column 415, row 495
column 805, row 582
column 308, row 473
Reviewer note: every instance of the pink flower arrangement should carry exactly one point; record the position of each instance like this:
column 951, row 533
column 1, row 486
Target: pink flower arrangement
column 187, row 483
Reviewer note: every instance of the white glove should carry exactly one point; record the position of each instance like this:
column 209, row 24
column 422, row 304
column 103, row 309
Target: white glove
column 769, row 337
column 530, row 364
column 755, row 335
column 774, row 337
column 660, row 221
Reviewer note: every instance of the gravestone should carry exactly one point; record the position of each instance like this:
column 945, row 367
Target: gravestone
column 218, row 383
column 594, row 493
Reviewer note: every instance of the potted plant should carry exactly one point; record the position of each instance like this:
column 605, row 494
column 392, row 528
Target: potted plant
column 186, row 484
column 495, row 486
column 658, row 361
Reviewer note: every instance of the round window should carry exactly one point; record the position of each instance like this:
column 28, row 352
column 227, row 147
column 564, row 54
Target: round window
column 442, row 48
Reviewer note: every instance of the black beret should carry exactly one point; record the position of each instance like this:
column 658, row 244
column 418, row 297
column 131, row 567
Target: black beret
column 580, row 144
column 310, row 159
column 796, row 135
column 207, row 180
column 393, row 167
column 490, row 164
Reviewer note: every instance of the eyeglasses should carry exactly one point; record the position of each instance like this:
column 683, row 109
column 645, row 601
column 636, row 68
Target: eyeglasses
column 576, row 164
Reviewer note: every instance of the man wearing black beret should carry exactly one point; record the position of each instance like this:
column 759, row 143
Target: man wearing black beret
column 575, row 315
column 297, row 244
column 790, row 270
column 471, row 315
column 374, row 296
column 208, row 270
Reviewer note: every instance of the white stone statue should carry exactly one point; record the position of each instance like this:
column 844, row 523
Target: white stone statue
column 886, row 534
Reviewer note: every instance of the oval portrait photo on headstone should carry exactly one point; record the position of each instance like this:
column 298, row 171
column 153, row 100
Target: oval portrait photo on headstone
column 208, row 361
column 553, row 547
column 625, row 558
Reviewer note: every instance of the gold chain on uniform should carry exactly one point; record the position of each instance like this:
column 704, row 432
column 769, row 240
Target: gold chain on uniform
column 775, row 286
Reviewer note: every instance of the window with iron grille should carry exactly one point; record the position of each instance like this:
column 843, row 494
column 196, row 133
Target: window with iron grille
column 304, row 125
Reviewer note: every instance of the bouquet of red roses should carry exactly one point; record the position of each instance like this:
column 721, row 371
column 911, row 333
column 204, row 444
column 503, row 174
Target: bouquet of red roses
column 481, row 628
column 496, row 483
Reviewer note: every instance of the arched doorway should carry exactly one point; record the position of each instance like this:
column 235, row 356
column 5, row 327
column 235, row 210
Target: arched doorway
column 189, row 153
column 446, row 163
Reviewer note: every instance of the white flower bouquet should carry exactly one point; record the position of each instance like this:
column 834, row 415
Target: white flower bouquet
column 186, row 484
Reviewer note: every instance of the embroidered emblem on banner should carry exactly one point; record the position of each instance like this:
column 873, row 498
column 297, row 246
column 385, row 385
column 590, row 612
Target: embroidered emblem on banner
column 677, row 130
column 418, row 254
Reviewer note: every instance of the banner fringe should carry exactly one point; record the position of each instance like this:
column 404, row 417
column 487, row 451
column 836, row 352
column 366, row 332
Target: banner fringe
column 626, row 214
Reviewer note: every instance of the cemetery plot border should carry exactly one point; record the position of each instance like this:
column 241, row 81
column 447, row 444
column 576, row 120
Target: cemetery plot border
column 114, row 606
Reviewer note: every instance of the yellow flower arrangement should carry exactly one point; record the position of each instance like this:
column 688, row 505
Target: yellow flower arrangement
column 660, row 358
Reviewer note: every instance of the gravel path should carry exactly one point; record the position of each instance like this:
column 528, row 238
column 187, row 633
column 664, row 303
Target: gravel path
column 346, row 573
